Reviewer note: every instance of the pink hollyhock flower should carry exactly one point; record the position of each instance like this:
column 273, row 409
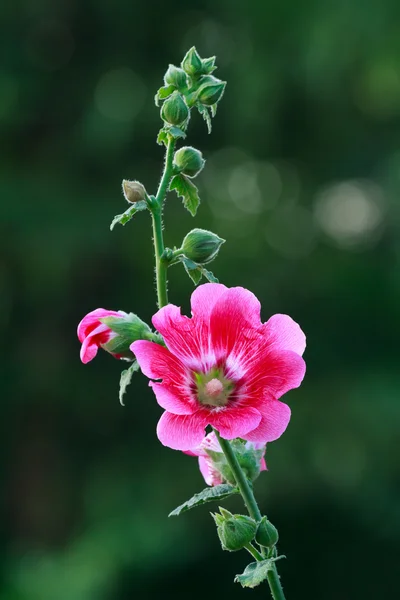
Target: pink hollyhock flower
column 93, row 334
column 222, row 367
column 208, row 468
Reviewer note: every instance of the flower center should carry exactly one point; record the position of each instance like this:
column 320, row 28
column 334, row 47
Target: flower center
column 213, row 389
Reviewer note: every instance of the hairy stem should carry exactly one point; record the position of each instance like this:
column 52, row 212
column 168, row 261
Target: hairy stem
column 157, row 214
column 252, row 506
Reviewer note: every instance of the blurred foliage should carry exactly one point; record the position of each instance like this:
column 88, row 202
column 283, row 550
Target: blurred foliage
column 302, row 180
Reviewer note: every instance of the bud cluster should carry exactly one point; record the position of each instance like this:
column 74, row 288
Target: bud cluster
column 187, row 86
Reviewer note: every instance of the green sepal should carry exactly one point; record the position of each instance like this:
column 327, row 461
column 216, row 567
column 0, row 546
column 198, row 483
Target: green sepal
column 208, row 65
column 256, row 572
column 125, row 379
column 186, row 189
column 163, row 93
column 176, row 132
column 208, row 275
column 192, row 269
column 203, row 110
column 213, row 108
column 210, row 494
column 128, row 214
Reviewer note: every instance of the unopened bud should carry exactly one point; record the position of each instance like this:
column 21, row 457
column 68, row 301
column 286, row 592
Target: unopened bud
column 211, row 91
column 208, row 65
column 174, row 110
column 234, row 531
column 134, row 191
column 189, row 161
column 177, row 77
column 201, row 246
column 126, row 329
column 192, row 63
column 267, row 535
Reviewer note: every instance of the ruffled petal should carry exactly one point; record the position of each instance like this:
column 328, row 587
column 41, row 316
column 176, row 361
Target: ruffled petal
column 171, row 400
column 91, row 321
column 271, row 375
column 275, row 419
column 285, row 334
column 204, row 298
column 181, row 432
column 90, row 344
column 234, row 422
column 157, row 362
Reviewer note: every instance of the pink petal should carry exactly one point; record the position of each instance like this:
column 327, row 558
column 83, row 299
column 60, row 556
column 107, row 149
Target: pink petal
column 285, row 334
column 211, row 475
column 181, row 432
column 234, row 422
column 157, row 362
column 204, row 298
column 272, row 374
column 180, row 335
column 91, row 320
column 235, row 322
column 90, row 344
column 171, row 400
column 275, row 419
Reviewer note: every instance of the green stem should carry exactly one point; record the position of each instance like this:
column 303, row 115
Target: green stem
column 156, row 212
column 252, row 506
column 253, row 551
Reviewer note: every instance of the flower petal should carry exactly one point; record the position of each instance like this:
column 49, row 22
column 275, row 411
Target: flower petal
column 91, row 320
column 90, row 344
column 285, row 334
column 181, row 432
column 170, row 399
column 235, row 422
column 275, row 419
column 210, row 474
column 157, row 362
column 204, row 298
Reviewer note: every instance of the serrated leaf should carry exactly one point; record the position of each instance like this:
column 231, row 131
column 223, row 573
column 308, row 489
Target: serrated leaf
column 128, row 214
column 211, row 494
column 163, row 93
column 256, row 572
column 209, row 275
column 186, row 189
column 203, row 110
column 125, row 379
column 162, row 137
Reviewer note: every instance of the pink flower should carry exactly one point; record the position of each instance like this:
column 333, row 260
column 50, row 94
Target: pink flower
column 93, row 334
column 222, row 367
column 208, row 468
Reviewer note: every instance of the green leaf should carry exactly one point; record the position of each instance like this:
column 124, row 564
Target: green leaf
column 162, row 137
column 214, row 109
column 163, row 93
column 186, row 189
column 128, row 214
column 218, row 492
column 256, row 572
column 176, row 133
column 203, row 110
column 208, row 275
column 192, row 269
column 125, row 380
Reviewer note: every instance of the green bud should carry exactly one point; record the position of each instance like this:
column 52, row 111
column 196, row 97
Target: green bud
column 234, row 531
column 192, row 63
column 189, row 161
column 174, row 110
column 134, row 191
column 128, row 328
column 177, row 77
column 267, row 535
column 201, row 246
column 208, row 65
column 211, row 90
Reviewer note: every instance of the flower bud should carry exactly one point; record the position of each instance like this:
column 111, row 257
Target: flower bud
column 234, row 531
column 211, row 91
column 174, row 110
column 208, row 65
column 134, row 191
column 189, row 161
column 192, row 63
column 177, row 77
column 201, row 246
column 267, row 535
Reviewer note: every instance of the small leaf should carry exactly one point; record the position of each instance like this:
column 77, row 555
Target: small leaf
column 163, row 93
column 203, row 110
column 162, row 137
column 128, row 214
column 218, row 492
column 209, row 275
column 176, row 133
column 193, row 271
column 213, row 109
column 125, row 380
column 186, row 189
column 256, row 572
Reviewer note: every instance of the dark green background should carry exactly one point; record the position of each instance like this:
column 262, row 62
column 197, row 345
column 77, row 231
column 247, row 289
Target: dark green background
column 303, row 180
